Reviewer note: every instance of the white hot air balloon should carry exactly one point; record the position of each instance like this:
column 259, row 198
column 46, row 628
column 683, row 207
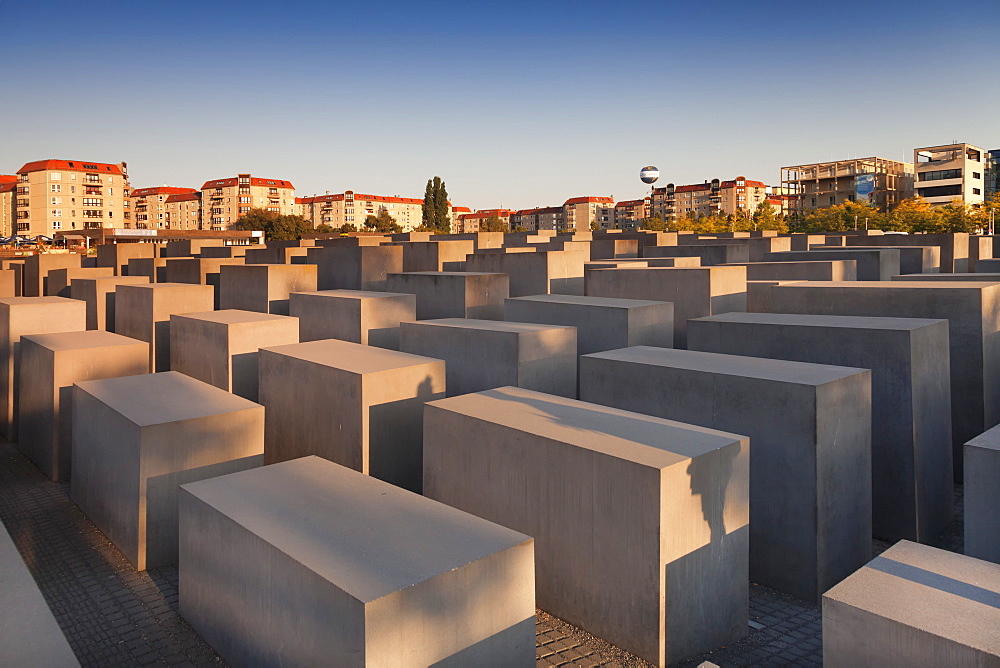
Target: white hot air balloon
column 649, row 174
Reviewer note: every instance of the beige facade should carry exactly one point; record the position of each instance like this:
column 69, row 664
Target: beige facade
column 533, row 220
column 151, row 208
column 630, row 213
column 470, row 222
column 55, row 195
column 352, row 208
column 225, row 200
column 713, row 197
column 184, row 211
column 580, row 212
column 953, row 172
column 822, row 184
column 8, row 184
column 456, row 214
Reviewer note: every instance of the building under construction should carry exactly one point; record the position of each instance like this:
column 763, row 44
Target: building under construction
column 878, row 181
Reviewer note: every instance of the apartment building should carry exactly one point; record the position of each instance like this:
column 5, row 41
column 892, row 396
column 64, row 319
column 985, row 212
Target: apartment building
column 151, row 208
column 949, row 173
column 456, row 213
column 225, row 200
column 881, row 182
column 53, row 195
column 581, row 212
column 8, row 184
column 993, row 172
column 184, row 211
column 352, row 208
column 545, row 218
column 715, row 197
column 630, row 213
column 469, row 222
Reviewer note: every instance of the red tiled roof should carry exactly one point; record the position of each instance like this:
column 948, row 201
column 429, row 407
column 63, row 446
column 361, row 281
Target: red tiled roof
column 161, row 190
column 254, row 181
column 631, row 202
column 749, row 184
column 486, row 213
column 692, row 188
column 589, row 200
column 184, row 197
column 70, row 166
column 8, row 187
column 461, row 209
column 339, row 197
column 8, row 178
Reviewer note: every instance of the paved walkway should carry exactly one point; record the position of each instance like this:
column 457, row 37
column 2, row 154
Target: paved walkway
column 112, row 615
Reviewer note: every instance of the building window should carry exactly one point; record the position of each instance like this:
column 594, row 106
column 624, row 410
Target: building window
column 56, row 225
column 56, row 213
column 940, row 191
column 91, row 201
column 244, row 200
column 55, row 188
column 977, row 175
column 55, row 176
column 977, row 191
column 56, row 200
column 941, row 174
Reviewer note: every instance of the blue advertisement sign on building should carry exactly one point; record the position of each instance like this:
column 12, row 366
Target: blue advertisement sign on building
column 864, row 188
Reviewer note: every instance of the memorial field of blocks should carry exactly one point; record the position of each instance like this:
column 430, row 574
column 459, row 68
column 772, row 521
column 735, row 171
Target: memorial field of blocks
column 392, row 450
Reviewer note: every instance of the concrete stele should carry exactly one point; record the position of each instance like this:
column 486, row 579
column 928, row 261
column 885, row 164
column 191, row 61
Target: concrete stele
column 308, row 563
column 358, row 316
column 143, row 312
column 640, row 523
column 137, row 439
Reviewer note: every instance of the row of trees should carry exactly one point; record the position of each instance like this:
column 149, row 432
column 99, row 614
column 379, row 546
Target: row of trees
column 910, row 215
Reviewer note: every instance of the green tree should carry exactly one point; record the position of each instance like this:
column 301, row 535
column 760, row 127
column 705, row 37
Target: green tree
column 520, row 228
column 915, row 215
column 766, row 218
column 383, row 222
column 275, row 227
column 960, row 217
column 323, row 228
column 494, row 224
column 434, row 213
column 654, row 223
column 347, row 228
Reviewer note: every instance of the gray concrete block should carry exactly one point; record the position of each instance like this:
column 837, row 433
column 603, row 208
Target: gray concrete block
column 117, row 256
column 640, row 524
column 355, row 267
column 436, row 255
column 358, row 316
column 99, row 295
column 198, row 271
column 601, row 323
column 453, row 294
column 143, row 312
column 213, row 252
column 37, row 268
column 16, row 266
column 188, row 247
column 710, row 254
column 29, row 315
column 9, row 283
column 137, row 439
column 954, row 246
column 483, row 354
column 759, row 295
column 535, row 273
column 988, row 266
column 614, row 248
column 269, row 576
column 58, row 282
column 873, row 264
column 358, row 406
column 264, row 287
column 694, row 291
column 816, row 270
column 155, row 269
column 982, row 496
column 275, row 254
column 480, row 239
column 803, row 242
column 981, row 278
column 50, row 365
column 914, row 605
column 912, row 490
column 29, row 633
column 221, row 347
column 912, row 259
column 973, row 314
column 810, row 461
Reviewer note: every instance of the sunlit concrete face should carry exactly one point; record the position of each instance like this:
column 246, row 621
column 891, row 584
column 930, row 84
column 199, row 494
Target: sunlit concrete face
column 640, row 523
column 914, row 605
column 309, row 563
column 143, row 312
column 137, row 439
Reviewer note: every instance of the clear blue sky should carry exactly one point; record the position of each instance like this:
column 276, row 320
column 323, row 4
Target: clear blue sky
column 514, row 103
